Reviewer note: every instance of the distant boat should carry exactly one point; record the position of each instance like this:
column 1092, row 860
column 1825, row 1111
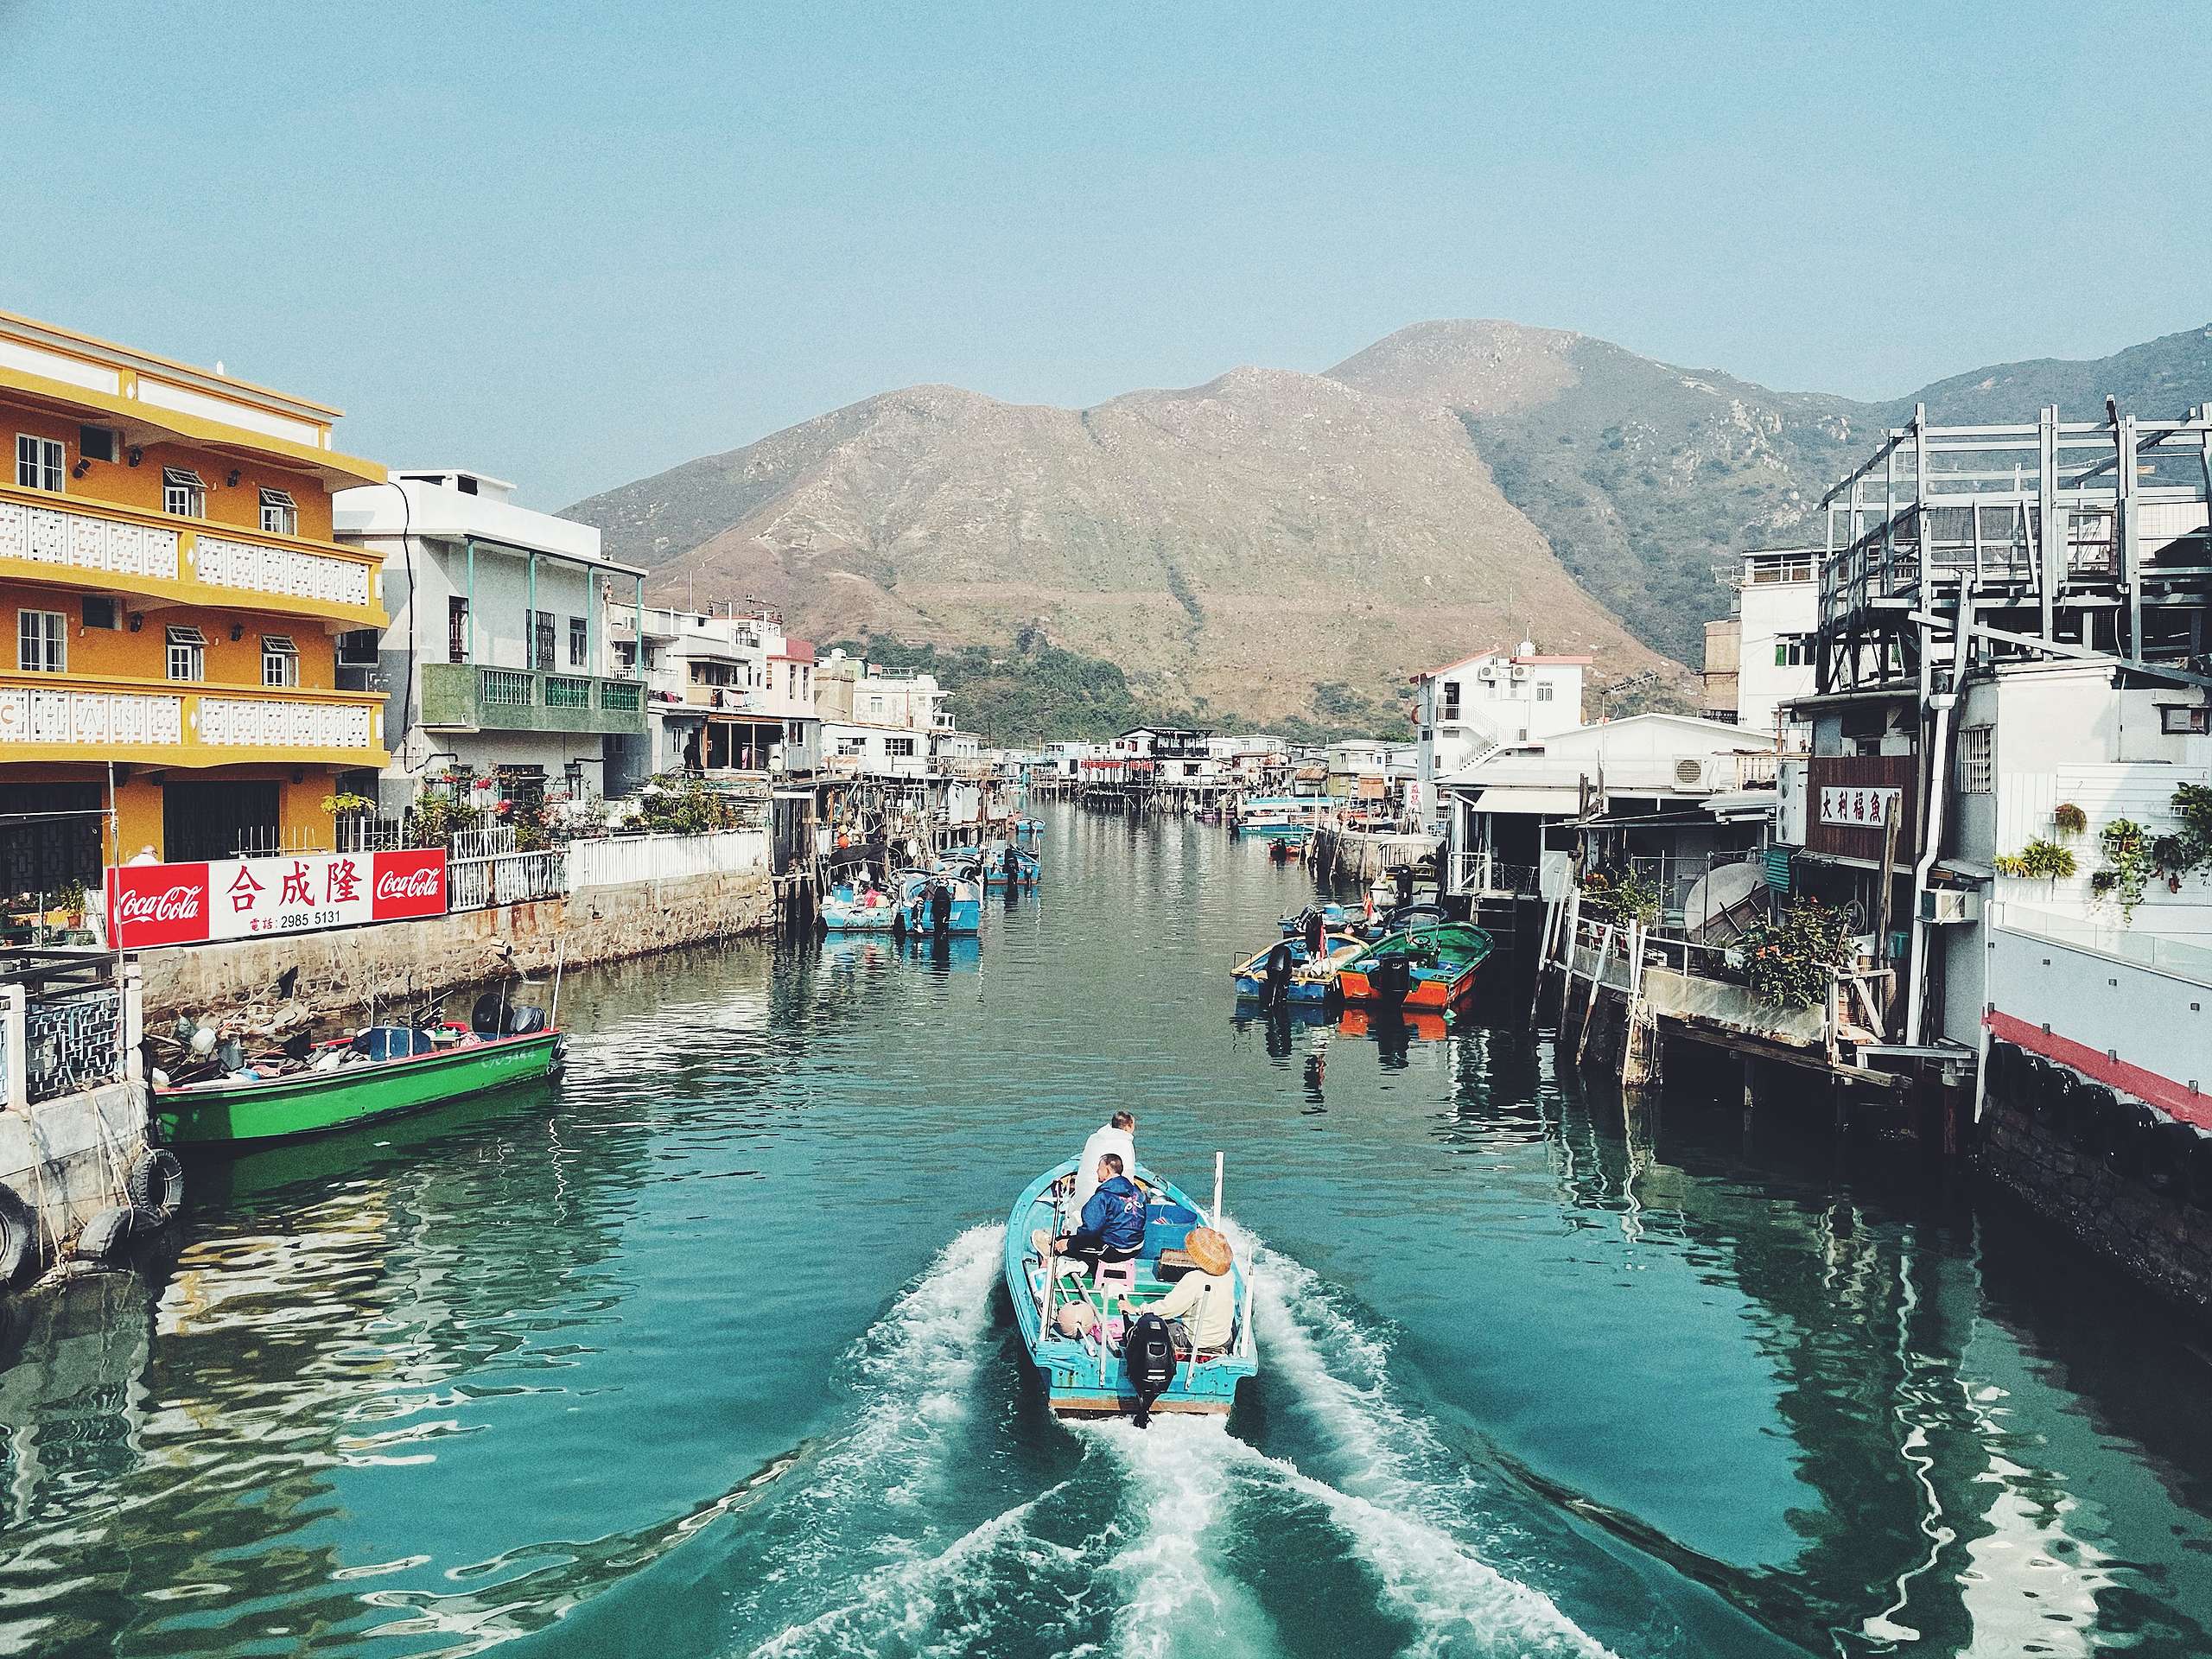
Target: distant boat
column 1288, row 971
column 1009, row 864
column 1286, row 821
column 939, row 901
column 1431, row 965
column 1086, row 1375
column 379, row 1071
column 860, row 908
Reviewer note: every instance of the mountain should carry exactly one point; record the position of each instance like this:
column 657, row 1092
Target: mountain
column 1267, row 545
column 1644, row 477
column 1276, row 546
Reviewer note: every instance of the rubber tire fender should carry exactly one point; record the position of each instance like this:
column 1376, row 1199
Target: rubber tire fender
column 106, row 1236
column 2200, row 1168
column 155, row 1181
column 2134, row 1138
column 2004, row 1067
column 2078, row 1111
column 18, row 1234
column 2166, row 1161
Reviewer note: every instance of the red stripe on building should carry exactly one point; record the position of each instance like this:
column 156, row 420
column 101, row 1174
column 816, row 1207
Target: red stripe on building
column 2177, row 1099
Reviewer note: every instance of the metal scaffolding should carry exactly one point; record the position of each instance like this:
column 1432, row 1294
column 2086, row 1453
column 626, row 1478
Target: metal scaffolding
column 1946, row 527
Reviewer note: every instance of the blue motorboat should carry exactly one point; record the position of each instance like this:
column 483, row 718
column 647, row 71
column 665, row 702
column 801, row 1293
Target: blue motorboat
column 939, row 901
column 1288, row 970
column 1334, row 918
column 1008, row 864
column 861, row 907
column 1085, row 1374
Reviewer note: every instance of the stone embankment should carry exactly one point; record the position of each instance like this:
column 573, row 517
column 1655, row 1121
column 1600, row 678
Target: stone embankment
column 2132, row 1183
column 339, row 973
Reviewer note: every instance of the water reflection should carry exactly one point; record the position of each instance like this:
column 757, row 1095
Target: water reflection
column 705, row 1343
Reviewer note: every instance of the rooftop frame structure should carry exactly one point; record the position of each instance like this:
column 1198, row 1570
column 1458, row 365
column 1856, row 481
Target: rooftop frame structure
column 1943, row 530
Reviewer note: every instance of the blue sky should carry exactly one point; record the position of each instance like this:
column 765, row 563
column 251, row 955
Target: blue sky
column 574, row 244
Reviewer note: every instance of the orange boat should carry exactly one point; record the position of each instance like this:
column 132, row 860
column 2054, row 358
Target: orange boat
column 1432, row 966
column 1364, row 1019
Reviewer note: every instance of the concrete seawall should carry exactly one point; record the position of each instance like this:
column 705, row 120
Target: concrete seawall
column 2137, row 1200
column 340, row 971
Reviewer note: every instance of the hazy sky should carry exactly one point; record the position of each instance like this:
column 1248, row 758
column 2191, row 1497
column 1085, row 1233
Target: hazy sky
column 574, row 244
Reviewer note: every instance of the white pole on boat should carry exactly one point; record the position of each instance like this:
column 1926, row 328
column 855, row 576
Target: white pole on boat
column 1214, row 1215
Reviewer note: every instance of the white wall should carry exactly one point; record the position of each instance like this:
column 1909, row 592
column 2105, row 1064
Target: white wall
column 1768, row 610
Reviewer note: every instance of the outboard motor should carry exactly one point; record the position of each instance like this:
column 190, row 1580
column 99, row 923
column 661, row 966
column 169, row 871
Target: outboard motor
column 1394, row 978
column 490, row 1012
column 1148, row 1356
column 1278, row 979
column 1012, row 864
column 941, row 907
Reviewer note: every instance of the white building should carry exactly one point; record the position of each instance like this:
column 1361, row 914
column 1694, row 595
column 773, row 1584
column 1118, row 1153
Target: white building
column 496, row 658
column 1465, row 708
column 1763, row 657
column 1497, row 809
column 728, row 691
column 875, row 724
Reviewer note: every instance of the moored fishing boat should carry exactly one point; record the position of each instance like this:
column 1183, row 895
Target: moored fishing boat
column 379, row 1071
column 1008, row 864
column 1069, row 1317
column 1289, row 971
column 1430, row 965
column 939, row 901
column 861, row 907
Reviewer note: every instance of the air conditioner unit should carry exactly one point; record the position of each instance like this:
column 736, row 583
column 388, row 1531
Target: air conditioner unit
column 1520, row 671
column 1487, row 673
column 1694, row 774
column 1942, row 905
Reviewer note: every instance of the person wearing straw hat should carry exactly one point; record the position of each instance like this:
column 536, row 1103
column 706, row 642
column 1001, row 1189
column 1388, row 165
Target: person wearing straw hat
column 1201, row 1307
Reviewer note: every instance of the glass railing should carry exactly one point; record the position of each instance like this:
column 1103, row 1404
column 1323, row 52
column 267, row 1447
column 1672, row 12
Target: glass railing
column 2168, row 955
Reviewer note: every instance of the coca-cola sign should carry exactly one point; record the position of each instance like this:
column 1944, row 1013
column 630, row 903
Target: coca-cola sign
column 158, row 904
column 154, row 905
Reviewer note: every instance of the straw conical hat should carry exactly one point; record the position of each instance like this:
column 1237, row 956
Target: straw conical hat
column 1208, row 1251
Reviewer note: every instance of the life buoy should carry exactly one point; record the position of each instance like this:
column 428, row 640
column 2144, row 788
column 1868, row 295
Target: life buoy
column 156, row 1182
column 18, row 1234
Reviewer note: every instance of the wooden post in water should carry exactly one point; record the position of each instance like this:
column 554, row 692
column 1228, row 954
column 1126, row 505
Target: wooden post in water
column 1590, row 1007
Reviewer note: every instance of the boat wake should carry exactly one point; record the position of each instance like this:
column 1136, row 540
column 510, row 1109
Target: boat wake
column 1176, row 1540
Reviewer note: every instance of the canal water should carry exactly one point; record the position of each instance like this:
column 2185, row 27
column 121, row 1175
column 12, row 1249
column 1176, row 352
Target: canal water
column 705, row 1353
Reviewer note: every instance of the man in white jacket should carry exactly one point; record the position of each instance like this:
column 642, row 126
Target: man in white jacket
column 1118, row 1136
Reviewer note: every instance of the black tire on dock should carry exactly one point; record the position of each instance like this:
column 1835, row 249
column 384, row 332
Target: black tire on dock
column 2200, row 1168
column 155, row 1181
column 18, row 1234
column 106, row 1236
column 2166, row 1164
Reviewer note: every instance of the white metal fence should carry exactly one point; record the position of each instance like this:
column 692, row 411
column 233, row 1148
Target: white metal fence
column 616, row 860
column 505, row 878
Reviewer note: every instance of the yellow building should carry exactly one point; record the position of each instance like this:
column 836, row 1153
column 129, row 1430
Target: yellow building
column 175, row 608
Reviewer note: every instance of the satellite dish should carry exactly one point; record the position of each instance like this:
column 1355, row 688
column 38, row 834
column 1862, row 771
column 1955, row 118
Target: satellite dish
column 1719, row 893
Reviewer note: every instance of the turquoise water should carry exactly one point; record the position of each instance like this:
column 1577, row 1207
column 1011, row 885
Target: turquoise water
column 705, row 1354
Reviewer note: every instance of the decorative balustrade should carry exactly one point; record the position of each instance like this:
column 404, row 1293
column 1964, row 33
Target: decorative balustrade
column 118, row 715
column 123, row 542
column 566, row 691
column 468, row 696
column 292, row 571
column 81, row 541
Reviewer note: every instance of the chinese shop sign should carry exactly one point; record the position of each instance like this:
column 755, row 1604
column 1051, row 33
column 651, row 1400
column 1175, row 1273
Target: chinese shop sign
column 248, row 897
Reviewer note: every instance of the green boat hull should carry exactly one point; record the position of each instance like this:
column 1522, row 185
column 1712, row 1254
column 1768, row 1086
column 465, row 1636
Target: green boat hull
column 315, row 1101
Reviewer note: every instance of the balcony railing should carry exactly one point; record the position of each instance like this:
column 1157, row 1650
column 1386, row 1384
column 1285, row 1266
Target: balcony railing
column 465, row 696
column 119, row 547
column 50, row 712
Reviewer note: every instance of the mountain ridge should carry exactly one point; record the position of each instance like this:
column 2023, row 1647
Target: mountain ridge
column 1238, row 544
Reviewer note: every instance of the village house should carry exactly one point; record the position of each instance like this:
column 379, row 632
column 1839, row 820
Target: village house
column 1465, row 708
column 179, row 612
column 728, row 694
column 496, row 659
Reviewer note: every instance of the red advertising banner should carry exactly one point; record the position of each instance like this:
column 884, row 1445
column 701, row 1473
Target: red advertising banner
column 151, row 905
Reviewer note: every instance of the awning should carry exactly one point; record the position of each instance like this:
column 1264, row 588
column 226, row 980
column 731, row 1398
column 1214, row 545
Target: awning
column 1527, row 801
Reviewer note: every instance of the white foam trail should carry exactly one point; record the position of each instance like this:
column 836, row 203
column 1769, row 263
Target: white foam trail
column 917, row 1369
column 1404, row 1494
column 897, row 1606
column 1176, row 1601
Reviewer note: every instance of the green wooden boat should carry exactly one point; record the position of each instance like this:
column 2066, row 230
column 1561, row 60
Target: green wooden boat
column 404, row 1071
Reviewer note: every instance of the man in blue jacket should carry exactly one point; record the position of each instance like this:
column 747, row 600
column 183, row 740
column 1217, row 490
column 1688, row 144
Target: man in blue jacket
column 1111, row 1227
